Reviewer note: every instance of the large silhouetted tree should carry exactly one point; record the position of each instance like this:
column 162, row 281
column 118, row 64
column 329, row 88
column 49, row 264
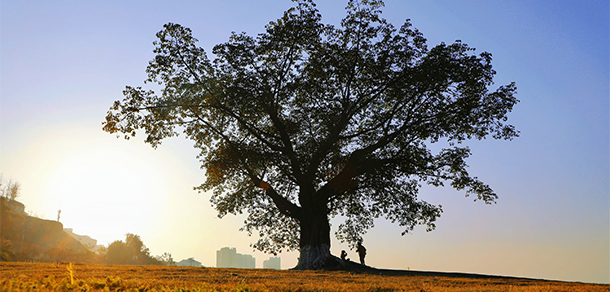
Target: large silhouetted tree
column 309, row 121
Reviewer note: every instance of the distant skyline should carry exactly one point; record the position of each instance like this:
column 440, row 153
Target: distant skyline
column 228, row 257
column 63, row 63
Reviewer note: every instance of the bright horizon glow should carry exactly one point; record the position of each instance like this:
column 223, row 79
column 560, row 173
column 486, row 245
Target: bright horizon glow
column 63, row 63
column 94, row 182
column 86, row 181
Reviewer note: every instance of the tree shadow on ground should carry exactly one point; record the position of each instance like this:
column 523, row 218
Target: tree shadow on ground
column 337, row 264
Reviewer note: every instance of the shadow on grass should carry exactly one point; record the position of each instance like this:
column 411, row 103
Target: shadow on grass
column 337, row 264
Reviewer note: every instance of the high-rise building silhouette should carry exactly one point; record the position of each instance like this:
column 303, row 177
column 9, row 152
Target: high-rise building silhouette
column 273, row 263
column 229, row 258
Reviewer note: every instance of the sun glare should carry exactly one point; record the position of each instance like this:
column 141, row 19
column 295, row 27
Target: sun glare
column 107, row 190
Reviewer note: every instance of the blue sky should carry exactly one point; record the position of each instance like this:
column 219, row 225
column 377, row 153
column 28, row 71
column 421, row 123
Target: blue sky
column 63, row 63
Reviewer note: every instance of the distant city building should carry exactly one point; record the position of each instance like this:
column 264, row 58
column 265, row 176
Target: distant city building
column 229, row 258
column 273, row 263
column 190, row 262
column 226, row 257
column 87, row 241
column 246, row 261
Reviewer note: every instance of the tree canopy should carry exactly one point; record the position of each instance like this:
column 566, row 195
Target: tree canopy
column 10, row 189
column 132, row 251
column 308, row 121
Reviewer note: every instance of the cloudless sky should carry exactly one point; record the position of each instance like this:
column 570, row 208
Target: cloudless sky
column 63, row 63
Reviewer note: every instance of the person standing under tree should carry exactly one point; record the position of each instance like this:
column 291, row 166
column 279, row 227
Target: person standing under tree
column 361, row 250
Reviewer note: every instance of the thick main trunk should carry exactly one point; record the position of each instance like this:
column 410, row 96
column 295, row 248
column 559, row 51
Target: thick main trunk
column 314, row 257
column 315, row 243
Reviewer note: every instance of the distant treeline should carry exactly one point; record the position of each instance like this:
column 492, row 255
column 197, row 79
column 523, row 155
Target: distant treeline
column 132, row 251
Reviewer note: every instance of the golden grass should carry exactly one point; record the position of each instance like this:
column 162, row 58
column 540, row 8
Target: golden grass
column 90, row 277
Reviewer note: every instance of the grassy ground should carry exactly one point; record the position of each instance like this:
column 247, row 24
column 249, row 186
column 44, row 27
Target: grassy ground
column 89, row 277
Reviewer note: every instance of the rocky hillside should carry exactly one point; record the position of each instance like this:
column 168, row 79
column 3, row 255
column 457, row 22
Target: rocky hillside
column 27, row 238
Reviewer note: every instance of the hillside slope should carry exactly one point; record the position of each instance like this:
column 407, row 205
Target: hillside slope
column 27, row 238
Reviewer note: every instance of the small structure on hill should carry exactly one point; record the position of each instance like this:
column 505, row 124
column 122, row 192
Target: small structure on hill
column 16, row 206
column 190, row 262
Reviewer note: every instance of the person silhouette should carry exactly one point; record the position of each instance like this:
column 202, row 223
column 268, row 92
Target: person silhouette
column 361, row 250
column 343, row 254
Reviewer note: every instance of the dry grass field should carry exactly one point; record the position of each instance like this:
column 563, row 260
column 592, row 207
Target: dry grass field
column 89, row 277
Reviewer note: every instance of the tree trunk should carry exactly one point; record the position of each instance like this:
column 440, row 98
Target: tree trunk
column 315, row 243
